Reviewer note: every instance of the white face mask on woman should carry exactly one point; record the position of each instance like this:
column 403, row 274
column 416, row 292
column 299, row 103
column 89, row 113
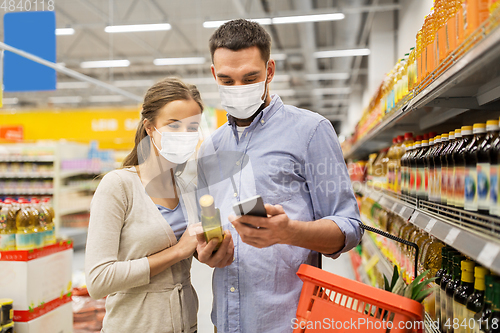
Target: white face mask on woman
column 177, row 147
column 243, row 101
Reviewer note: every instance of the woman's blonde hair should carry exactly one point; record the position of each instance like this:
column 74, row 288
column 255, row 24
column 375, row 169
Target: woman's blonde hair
column 159, row 95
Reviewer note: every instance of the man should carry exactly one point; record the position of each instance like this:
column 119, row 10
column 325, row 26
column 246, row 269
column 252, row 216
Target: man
column 289, row 156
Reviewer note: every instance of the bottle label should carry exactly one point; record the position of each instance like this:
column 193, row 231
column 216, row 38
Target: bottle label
column 24, row 241
column 457, row 318
column 443, row 307
column 470, row 193
column 7, row 242
column 450, row 310
column 483, row 186
column 444, row 184
column 50, row 237
column 412, row 180
column 438, row 184
column 437, row 306
column 420, row 181
column 451, row 186
column 459, row 186
column 430, row 190
column 426, row 180
column 493, row 189
column 38, row 239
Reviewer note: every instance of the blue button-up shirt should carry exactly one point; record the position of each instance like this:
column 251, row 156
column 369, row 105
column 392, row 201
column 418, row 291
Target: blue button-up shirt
column 291, row 157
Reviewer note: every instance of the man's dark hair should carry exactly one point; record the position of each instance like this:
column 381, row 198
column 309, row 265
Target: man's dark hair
column 241, row 34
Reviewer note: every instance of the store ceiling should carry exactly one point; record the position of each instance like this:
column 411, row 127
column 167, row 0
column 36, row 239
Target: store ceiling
column 320, row 84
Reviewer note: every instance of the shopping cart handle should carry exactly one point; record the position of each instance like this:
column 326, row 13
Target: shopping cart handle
column 394, row 238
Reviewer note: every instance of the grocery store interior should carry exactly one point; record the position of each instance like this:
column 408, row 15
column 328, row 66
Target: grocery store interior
column 411, row 88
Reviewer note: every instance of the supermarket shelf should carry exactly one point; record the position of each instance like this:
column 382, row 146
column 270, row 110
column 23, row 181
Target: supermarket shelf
column 478, row 245
column 467, row 91
column 23, row 175
column 77, row 188
column 26, row 192
column 383, row 264
column 25, row 159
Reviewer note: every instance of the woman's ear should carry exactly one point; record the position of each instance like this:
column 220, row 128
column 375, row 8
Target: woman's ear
column 148, row 127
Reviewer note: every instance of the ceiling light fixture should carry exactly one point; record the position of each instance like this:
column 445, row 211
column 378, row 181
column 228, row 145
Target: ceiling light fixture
column 65, row 31
column 137, row 28
column 341, row 53
column 179, row 61
column 105, row 64
column 331, row 91
column 284, row 19
column 308, row 18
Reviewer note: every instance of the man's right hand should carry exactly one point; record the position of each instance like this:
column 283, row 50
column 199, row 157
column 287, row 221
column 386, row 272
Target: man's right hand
column 224, row 255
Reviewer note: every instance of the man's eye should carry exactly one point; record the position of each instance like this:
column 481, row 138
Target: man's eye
column 226, row 82
column 251, row 80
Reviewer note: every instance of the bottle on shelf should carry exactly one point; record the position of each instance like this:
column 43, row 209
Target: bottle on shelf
column 418, row 55
column 439, row 275
column 451, row 169
column 427, row 167
column 405, row 168
column 391, row 165
column 453, row 284
column 483, row 167
column 470, row 194
column 493, row 5
column 494, row 318
column 420, row 164
column 431, row 260
column 405, row 147
column 430, row 34
column 445, row 170
column 47, row 222
column 24, row 235
column 439, row 169
column 475, row 13
column 458, row 156
column 435, row 170
column 8, row 228
column 462, row 293
column 482, row 317
column 494, row 165
column 413, row 166
column 446, row 277
column 440, row 39
column 37, row 231
column 399, row 152
column 475, row 301
column 451, row 25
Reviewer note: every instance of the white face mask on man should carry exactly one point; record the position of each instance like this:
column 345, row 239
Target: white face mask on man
column 177, row 147
column 243, row 101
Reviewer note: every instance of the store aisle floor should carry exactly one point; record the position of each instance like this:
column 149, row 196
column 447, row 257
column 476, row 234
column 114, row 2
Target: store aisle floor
column 201, row 277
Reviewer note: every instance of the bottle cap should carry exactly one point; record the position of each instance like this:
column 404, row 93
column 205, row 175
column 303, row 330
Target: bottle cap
column 466, row 130
column 467, row 265
column 400, row 138
column 444, row 135
column 458, row 133
column 425, row 143
column 417, row 144
column 479, row 128
column 432, row 134
column 408, row 135
column 426, row 136
column 431, row 141
column 419, row 138
column 492, row 125
column 395, row 140
column 480, row 271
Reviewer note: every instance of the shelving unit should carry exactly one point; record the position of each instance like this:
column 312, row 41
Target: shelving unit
column 66, row 199
column 480, row 246
column 465, row 88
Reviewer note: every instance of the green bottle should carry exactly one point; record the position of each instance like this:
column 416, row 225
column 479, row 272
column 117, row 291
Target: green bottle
column 494, row 319
column 461, row 295
column 483, row 316
column 475, row 301
column 439, row 275
column 447, row 276
column 453, row 284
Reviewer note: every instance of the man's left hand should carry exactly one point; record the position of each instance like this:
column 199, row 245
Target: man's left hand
column 261, row 231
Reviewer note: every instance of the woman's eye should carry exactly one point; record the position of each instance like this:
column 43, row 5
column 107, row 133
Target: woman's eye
column 174, row 125
column 193, row 129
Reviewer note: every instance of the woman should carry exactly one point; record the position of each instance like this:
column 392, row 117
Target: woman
column 139, row 246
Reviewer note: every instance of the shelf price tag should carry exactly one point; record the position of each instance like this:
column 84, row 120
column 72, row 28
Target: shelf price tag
column 401, row 212
column 430, row 225
column 452, row 236
column 488, row 254
column 394, row 206
column 414, row 217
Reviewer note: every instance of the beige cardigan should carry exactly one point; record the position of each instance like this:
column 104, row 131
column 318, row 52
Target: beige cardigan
column 125, row 227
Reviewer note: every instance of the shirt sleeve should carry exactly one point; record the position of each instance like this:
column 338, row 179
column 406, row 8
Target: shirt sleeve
column 330, row 186
column 104, row 273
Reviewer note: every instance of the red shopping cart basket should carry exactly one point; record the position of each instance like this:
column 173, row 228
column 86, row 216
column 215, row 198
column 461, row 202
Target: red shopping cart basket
column 329, row 302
